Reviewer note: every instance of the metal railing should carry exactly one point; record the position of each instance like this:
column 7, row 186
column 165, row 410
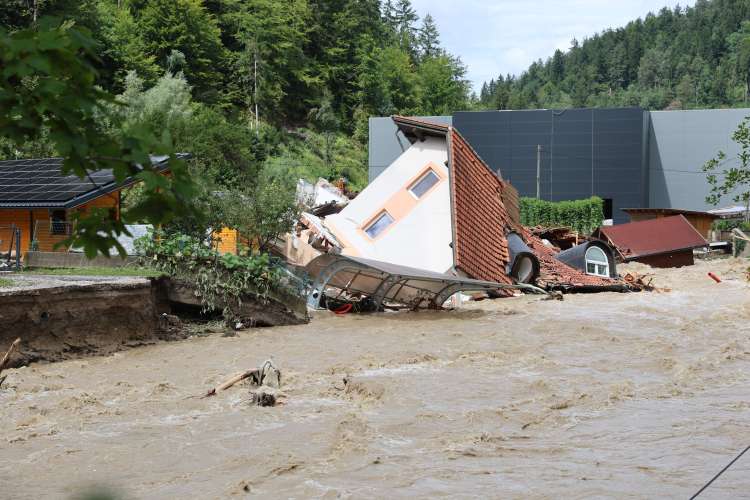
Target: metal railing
column 10, row 247
column 49, row 235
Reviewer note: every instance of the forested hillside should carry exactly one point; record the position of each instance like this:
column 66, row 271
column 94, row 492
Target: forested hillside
column 250, row 86
column 688, row 57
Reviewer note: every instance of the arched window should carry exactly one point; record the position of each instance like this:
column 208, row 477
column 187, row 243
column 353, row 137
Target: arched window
column 597, row 263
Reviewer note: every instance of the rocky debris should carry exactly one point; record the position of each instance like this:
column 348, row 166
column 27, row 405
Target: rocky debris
column 264, row 396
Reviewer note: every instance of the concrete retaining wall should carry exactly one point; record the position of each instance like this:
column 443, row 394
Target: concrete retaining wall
column 63, row 259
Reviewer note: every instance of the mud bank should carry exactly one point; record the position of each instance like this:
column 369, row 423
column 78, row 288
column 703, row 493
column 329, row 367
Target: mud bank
column 276, row 309
column 643, row 395
column 61, row 319
column 67, row 317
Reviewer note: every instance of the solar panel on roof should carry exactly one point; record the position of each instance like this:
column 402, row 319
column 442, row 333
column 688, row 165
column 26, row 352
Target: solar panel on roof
column 40, row 183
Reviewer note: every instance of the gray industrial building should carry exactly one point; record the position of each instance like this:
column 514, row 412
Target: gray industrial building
column 627, row 156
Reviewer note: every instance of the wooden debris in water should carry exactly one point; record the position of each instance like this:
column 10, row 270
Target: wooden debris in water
column 267, row 374
column 6, row 359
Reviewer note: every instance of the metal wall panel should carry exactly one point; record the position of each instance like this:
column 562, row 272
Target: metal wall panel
column 636, row 158
column 680, row 142
column 386, row 143
column 585, row 152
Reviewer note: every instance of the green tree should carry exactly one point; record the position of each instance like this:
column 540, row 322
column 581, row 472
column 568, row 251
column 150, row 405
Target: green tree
column 733, row 180
column 444, row 88
column 123, row 47
column 429, row 38
column 405, row 18
column 325, row 121
column 270, row 67
column 388, row 83
column 739, row 54
column 262, row 213
column 557, row 67
column 185, row 25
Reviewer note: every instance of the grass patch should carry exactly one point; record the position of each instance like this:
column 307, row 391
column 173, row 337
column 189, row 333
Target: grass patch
column 142, row 272
column 5, row 282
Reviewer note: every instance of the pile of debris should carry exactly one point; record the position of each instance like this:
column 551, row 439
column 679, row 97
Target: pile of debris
column 265, row 382
column 560, row 237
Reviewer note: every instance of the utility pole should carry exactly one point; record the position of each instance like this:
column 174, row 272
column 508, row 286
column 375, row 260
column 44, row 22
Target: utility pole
column 255, row 89
column 538, row 170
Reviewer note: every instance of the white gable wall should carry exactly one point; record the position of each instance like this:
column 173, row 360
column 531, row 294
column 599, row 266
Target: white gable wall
column 420, row 236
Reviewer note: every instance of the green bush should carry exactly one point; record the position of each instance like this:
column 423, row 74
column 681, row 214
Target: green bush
column 220, row 279
column 582, row 215
column 729, row 224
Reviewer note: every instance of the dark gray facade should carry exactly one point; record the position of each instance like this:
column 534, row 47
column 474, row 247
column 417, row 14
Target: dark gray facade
column 633, row 157
column 585, row 152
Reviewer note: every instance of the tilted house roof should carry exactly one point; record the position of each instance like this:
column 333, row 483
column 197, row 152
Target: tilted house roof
column 480, row 247
column 482, row 220
column 479, row 214
column 652, row 237
column 556, row 274
column 39, row 183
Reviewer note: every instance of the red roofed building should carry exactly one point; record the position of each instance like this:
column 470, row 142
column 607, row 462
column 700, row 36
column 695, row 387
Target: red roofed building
column 662, row 242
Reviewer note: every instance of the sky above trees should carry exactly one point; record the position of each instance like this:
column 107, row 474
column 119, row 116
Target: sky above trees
column 505, row 36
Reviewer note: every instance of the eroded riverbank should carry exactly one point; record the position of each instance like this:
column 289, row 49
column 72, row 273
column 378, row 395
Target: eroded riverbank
column 625, row 395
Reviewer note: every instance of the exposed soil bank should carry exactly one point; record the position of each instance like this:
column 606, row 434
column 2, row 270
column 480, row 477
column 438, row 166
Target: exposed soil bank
column 77, row 318
column 614, row 395
column 66, row 317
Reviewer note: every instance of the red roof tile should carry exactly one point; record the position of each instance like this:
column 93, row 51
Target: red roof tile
column 652, row 237
column 480, row 217
column 553, row 273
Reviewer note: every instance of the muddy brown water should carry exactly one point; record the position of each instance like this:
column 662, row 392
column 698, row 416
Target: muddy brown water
column 608, row 395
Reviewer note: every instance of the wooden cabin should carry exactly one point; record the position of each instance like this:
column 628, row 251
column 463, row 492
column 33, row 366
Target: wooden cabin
column 701, row 221
column 38, row 199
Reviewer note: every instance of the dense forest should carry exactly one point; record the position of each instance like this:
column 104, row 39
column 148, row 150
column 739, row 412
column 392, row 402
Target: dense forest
column 261, row 89
column 681, row 58
column 282, row 86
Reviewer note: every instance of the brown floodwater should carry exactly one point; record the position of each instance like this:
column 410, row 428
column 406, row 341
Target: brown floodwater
column 607, row 395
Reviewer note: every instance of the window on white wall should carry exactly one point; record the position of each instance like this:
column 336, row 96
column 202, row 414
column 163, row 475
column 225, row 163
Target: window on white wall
column 377, row 226
column 596, row 262
column 419, row 188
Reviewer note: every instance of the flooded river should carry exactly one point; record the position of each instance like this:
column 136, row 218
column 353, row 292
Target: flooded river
column 608, row 395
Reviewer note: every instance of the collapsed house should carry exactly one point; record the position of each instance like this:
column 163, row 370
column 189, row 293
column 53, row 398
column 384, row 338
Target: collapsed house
column 440, row 209
column 660, row 242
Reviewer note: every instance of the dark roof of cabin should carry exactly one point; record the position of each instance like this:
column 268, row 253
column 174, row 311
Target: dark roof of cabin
column 39, row 183
column 669, row 211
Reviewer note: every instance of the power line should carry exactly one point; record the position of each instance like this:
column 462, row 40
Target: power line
column 720, row 473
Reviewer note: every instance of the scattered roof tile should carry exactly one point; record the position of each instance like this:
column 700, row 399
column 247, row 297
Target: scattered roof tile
column 556, row 274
